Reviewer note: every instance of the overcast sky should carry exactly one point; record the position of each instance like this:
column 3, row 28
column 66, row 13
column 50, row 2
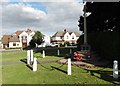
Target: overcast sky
column 47, row 17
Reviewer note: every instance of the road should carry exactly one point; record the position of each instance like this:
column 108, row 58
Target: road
column 9, row 50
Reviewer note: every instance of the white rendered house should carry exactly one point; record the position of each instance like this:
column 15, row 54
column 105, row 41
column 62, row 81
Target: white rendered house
column 65, row 36
column 18, row 39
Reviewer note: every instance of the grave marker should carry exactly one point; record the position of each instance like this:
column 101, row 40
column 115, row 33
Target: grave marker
column 58, row 52
column 115, row 69
column 35, row 64
column 43, row 53
column 31, row 55
column 69, row 66
column 70, row 51
column 28, row 56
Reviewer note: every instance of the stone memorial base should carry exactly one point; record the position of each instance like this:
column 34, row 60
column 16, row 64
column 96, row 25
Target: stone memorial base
column 85, row 47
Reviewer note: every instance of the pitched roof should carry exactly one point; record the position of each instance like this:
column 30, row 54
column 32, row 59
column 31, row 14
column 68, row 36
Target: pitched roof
column 9, row 38
column 14, row 38
column 77, row 34
column 5, row 39
column 60, row 33
column 18, row 32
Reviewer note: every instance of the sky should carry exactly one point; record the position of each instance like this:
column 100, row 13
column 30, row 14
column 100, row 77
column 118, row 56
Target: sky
column 46, row 16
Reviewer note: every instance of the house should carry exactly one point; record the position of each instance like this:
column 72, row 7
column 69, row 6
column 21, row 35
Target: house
column 46, row 39
column 65, row 36
column 18, row 39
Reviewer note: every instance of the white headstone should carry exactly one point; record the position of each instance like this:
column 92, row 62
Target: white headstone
column 58, row 45
column 70, row 51
column 43, row 53
column 28, row 56
column 35, row 64
column 31, row 55
column 69, row 66
column 115, row 69
column 58, row 52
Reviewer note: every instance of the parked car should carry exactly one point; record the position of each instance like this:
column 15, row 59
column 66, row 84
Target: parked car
column 72, row 44
column 42, row 45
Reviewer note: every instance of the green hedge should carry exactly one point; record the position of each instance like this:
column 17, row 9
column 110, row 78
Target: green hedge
column 107, row 44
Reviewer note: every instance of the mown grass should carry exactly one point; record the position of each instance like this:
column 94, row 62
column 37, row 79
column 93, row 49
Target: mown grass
column 49, row 73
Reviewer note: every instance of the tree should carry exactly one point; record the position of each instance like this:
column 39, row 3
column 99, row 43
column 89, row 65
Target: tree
column 36, row 39
column 104, row 16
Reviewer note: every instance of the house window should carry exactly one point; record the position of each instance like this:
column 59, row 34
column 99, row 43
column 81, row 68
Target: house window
column 14, row 44
column 17, row 44
column 67, row 37
column 24, row 37
column 72, row 37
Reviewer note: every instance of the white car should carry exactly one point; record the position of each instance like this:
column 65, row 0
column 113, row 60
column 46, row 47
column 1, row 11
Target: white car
column 54, row 45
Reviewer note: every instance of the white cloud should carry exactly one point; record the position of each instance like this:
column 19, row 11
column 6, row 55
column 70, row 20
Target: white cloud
column 64, row 14
column 20, row 16
column 59, row 16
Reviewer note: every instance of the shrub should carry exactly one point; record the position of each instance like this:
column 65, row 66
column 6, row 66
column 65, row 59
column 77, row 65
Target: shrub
column 66, row 43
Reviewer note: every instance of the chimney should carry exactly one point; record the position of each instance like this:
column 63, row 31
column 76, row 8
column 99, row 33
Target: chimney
column 65, row 30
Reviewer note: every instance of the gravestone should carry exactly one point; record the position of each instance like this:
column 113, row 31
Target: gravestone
column 31, row 55
column 35, row 65
column 58, row 52
column 69, row 66
column 43, row 53
column 28, row 56
column 115, row 69
column 70, row 51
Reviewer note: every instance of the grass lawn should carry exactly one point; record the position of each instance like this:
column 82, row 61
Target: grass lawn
column 22, row 74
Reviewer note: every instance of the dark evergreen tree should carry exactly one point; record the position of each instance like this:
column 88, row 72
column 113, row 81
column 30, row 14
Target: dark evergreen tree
column 105, row 16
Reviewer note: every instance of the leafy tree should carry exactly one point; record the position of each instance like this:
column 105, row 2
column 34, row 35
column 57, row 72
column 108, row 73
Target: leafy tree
column 104, row 17
column 36, row 39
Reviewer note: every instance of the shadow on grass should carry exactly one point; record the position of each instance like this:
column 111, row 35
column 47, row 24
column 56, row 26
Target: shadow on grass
column 105, row 75
column 24, row 60
column 29, row 67
column 59, row 69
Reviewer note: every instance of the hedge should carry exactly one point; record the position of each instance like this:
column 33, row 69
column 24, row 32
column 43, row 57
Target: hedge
column 106, row 44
